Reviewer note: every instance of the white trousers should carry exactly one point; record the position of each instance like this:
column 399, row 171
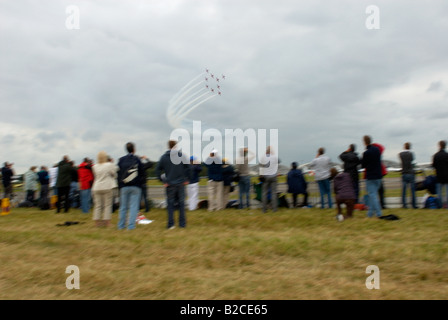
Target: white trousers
column 193, row 193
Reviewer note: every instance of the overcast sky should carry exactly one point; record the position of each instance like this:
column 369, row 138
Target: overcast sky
column 311, row 69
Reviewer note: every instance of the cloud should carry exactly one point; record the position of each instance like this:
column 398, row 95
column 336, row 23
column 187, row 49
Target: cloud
column 311, row 70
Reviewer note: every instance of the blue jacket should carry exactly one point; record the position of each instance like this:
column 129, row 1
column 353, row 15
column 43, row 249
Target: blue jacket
column 44, row 178
column 296, row 181
column 371, row 162
column 126, row 162
column 174, row 173
column 195, row 170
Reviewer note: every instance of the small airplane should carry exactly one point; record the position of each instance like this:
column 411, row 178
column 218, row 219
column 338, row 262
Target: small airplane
column 217, row 79
column 206, row 86
column 218, row 87
column 219, row 92
column 212, row 90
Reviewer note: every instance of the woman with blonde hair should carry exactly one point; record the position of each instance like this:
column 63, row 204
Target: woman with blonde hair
column 105, row 181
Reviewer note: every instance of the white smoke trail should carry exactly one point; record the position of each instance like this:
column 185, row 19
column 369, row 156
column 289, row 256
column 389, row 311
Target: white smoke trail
column 184, row 87
column 184, row 102
column 180, row 97
column 184, row 109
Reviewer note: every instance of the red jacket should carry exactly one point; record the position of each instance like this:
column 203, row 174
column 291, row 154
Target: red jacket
column 85, row 176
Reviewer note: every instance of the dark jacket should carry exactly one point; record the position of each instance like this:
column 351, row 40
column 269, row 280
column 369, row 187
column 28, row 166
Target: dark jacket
column 440, row 164
column 126, row 162
column 174, row 173
column 7, row 174
column 343, row 186
column 227, row 174
column 65, row 174
column 43, row 177
column 296, row 181
column 214, row 166
column 407, row 159
column 371, row 162
column 351, row 163
column 195, row 170
column 147, row 164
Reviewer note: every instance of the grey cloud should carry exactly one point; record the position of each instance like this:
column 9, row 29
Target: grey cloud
column 434, row 86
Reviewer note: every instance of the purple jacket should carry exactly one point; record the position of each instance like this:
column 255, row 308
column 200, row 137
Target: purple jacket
column 343, row 186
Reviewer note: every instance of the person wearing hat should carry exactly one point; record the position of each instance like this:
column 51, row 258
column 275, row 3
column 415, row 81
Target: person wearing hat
column 215, row 184
column 193, row 186
column 7, row 173
column 85, row 180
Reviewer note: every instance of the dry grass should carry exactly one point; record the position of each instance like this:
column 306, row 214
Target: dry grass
column 243, row 255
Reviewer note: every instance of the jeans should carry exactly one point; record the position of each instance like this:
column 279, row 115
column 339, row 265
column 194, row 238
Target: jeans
column 85, row 197
column 440, row 187
column 129, row 202
column 374, row 203
column 175, row 195
column 44, row 192
column 270, row 183
column 408, row 179
column 325, row 190
column 244, row 190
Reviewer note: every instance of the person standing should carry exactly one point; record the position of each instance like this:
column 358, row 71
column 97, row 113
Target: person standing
column 85, row 179
column 407, row 174
column 268, row 175
column 147, row 164
column 381, row 191
column 130, row 176
column 297, row 185
column 193, row 186
column 176, row 168
column 63, row 181
column 53, row 174
column 371, row 162
column 215, row 184
column 31, row 181
column 440, row 164
column 7, row 174
column 228, row 174
column 105, row 174
column 351, row 162
column 242, row 169
column 44, row 180
column 322, row 165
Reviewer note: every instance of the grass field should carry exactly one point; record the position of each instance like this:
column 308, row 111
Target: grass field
column 294, row 254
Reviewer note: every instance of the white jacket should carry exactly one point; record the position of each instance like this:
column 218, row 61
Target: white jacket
column 105, row 176
column 321, row 166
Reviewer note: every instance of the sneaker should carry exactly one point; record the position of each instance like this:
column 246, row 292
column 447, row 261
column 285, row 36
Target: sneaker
column 171, row 228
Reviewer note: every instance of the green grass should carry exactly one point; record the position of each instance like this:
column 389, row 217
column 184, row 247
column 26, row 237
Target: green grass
column 233, row 254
